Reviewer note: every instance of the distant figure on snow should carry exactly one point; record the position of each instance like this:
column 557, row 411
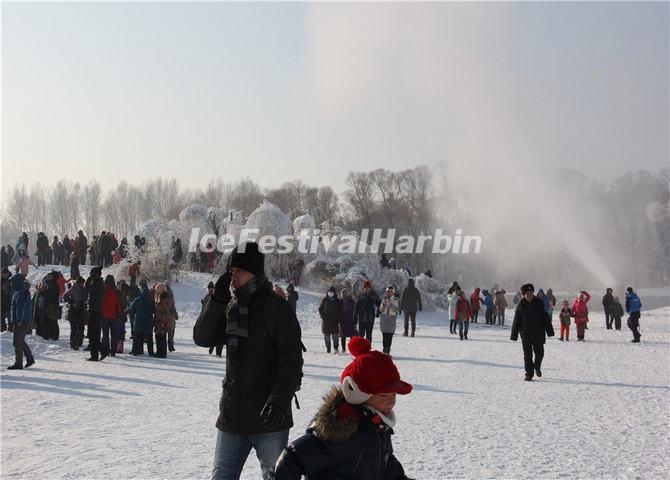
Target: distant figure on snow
column 410, row 303
column 633, row 308
column 580, row 311
column 608, row 301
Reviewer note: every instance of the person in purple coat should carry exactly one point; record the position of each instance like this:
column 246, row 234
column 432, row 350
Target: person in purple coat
column 348, row 324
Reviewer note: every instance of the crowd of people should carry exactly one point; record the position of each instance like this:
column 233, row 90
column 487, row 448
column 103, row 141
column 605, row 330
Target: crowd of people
column 343, row 316
column 256, row 322
column 103, row 250
column 97, row 309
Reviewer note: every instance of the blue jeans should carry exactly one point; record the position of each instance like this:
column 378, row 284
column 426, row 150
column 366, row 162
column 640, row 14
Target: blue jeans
column 232, row 450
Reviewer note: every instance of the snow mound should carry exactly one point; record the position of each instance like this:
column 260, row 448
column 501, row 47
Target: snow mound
column 270, row 220
column 194, row 214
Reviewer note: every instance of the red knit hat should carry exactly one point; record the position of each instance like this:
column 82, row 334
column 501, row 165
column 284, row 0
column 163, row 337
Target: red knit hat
column 367, row 284
column 371, row 372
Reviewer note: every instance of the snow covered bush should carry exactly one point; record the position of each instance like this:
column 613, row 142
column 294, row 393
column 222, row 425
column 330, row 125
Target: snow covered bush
column 233, row 224
column 304, row 224
column 194, row 214
column 269, row 220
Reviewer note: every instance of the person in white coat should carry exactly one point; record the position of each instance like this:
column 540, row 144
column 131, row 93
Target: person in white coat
column 388, row 313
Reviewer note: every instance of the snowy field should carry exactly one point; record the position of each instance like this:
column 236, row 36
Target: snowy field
column 601, row 409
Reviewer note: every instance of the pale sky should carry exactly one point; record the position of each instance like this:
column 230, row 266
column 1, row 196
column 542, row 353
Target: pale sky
column 280, row 91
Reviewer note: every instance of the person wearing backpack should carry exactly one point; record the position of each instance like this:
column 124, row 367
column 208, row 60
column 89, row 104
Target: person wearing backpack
column 263, row 364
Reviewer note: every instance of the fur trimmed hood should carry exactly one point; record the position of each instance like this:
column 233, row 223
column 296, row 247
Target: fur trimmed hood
column 336, row 420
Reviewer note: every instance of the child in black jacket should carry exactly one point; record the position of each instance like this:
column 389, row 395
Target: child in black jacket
column 350, row 436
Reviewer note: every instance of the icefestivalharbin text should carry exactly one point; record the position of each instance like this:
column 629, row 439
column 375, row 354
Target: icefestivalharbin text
column 309, row 242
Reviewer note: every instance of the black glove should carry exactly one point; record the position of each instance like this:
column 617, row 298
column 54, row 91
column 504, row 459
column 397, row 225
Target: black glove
column 273, row 416
column 221, row 292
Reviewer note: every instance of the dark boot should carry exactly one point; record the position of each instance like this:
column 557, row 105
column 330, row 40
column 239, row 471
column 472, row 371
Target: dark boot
column 16, row 366
column 538, row 372
column 30, row 362
column 528, row 378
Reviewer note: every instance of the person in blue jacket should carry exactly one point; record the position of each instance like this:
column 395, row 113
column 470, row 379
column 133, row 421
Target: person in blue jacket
column 20, row 319
column 633, row 309
column 143, row 309
column 488, row 302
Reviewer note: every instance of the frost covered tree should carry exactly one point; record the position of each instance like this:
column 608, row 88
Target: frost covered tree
column 59, row 207
column 37, row 200
column 91, row 196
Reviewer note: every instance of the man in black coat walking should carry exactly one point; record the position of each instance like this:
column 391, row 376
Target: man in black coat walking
column 263, row 364
column 532, row 322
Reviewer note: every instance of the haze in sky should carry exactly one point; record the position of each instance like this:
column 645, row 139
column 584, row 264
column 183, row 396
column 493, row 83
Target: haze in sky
column 279, row 91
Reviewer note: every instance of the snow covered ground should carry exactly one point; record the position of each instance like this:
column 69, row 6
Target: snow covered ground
column 601, row 409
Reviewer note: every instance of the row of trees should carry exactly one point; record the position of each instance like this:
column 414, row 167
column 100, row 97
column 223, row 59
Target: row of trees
column 378, row 198
column 627, row 218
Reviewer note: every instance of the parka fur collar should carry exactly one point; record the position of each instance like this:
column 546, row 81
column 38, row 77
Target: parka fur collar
column 336, row 420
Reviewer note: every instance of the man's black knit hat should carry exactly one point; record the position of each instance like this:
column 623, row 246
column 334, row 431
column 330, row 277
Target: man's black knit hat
column 247, row 257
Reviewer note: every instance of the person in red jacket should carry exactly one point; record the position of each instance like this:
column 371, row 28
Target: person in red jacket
column 463, row 315
column 60, row 281
column 475, row 301
column 580, row 311
column 111, row 317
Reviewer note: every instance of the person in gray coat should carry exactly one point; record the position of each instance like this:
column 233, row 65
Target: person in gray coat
column 388, row 314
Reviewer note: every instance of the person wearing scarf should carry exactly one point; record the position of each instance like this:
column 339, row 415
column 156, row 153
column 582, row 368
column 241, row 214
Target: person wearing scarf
column 263, row 365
